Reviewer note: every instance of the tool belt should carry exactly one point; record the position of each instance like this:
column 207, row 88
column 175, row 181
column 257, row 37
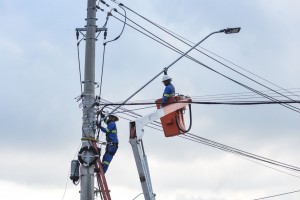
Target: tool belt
column 112, row 144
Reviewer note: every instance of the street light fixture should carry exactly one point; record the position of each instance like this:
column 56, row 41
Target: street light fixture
column 231, row 30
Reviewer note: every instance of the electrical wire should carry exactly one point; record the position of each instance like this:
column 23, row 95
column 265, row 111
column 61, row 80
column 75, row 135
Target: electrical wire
column 176, row 36
column 274, row 101
column 237, row 82
column 236, row 152
column 277, row 101
column 232, row 96
column 137, row 196
column 240, row 152
column 278, row 195
column 247, row 87
column 270, row 167
column 232, row 150
column 134, row 115
column 218, row 97
column 102, row 70
column 208, row 103
column 125, row 18
column 78, row 58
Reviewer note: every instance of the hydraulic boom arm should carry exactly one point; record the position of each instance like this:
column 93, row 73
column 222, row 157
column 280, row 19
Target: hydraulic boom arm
column 136, row 135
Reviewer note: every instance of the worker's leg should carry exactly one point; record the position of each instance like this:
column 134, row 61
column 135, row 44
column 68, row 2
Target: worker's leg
column 108, row 156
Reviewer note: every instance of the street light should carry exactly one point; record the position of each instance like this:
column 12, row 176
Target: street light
column 231, row 30
column 226, row 31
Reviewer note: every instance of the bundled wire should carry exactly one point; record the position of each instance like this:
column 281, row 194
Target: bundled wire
column 232, row 150
column 201, row 140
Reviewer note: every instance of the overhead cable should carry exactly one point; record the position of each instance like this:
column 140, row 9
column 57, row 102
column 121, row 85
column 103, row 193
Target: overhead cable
column 102, row 69
column 237, row 82
column 108, row 14
column 237, row 96
column 205, row 102
column 235, row 151
column 78, row 58
column 240, row 152
column 176, row 36
column 166, row 68
column 288, row 106
column 278, row 195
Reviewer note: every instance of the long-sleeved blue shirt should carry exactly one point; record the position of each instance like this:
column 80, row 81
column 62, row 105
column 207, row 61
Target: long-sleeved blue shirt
column 168, row 92
column 111, row 132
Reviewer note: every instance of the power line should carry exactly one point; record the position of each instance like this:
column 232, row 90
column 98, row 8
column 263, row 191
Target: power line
column 176, row 36
column 235, row 96
column 78, row 58
column 240, row 152
column 226, row 148
column 237, row 151
column 198, row 62
column 243, row 103
column 102, row 70
column 278, row 195
column 247, row 87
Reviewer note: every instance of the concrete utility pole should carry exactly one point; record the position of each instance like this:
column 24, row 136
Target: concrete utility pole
column 87, row 173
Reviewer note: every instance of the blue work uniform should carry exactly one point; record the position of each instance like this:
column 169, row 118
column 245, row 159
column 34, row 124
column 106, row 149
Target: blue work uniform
column 168, row 92
column 112, row 144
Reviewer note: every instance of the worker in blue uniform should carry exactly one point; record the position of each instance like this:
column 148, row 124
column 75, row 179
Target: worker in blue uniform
column 111, row 140
column 169, row 91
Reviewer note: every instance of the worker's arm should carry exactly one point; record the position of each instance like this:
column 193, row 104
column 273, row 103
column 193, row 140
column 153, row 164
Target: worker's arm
column 109, row 129
column 106, row 130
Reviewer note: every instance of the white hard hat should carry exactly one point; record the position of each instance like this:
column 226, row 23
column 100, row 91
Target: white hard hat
column 166, row 77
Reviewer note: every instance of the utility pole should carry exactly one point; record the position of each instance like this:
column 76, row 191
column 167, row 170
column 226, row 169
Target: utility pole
column 87, row 172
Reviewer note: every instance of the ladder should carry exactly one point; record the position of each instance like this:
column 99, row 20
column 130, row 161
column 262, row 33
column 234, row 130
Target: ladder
column 102, row 184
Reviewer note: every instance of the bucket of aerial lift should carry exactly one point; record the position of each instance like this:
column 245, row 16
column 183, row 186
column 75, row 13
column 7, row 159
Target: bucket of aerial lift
column 168, row 122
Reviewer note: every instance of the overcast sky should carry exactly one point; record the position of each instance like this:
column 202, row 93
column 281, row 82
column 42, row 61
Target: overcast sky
column 41, row 121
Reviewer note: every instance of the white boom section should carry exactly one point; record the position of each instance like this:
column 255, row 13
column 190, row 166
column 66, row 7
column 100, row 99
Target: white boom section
column 142, row 167
column 136, row 135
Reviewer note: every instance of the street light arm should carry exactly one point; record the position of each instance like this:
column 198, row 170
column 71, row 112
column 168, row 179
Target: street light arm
column 166, row 68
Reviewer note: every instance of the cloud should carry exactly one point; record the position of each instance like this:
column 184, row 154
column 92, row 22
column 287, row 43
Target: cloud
column 41, row 122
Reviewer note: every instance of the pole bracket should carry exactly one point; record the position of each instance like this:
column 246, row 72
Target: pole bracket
column 97, row 29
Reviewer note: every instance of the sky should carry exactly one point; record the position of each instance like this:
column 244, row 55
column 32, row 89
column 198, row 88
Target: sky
column 41, row 120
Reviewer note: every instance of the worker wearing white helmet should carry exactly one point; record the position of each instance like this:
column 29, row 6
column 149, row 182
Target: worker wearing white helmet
column 169, row 91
